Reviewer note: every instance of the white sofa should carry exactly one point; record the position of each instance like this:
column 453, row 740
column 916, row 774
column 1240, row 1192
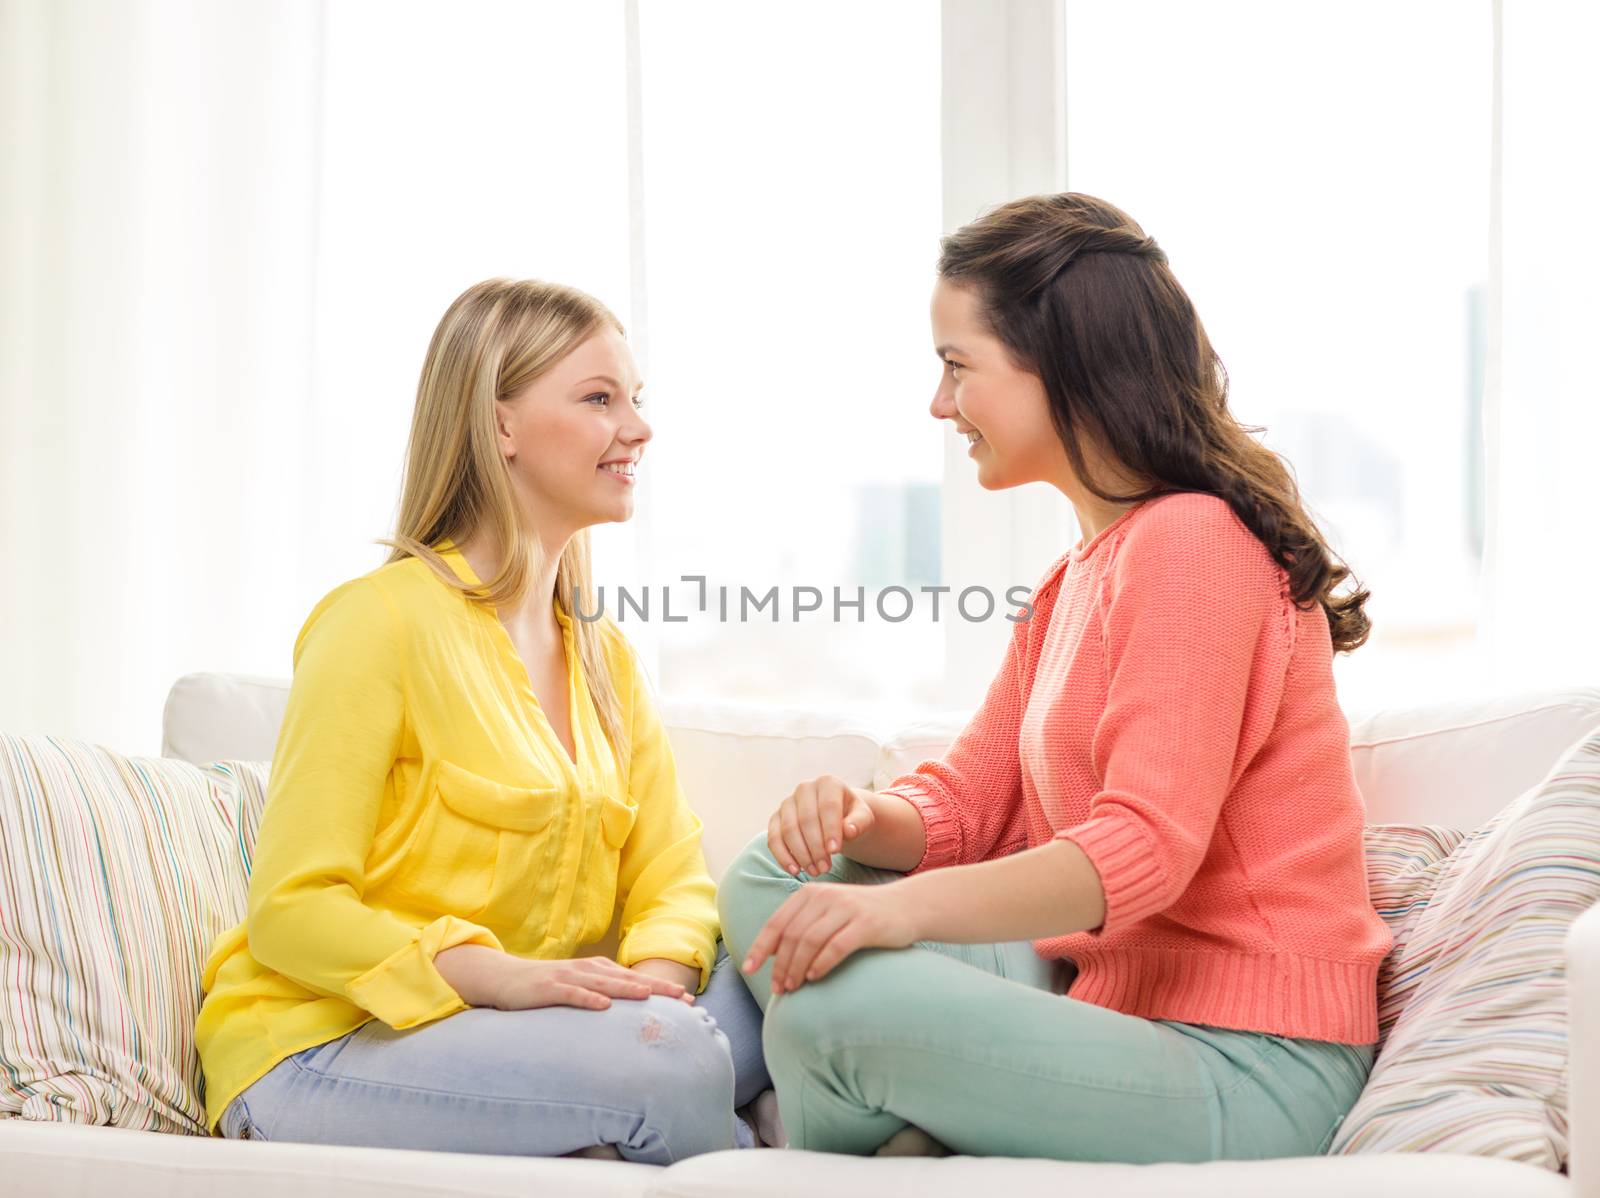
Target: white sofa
column 1452, row 764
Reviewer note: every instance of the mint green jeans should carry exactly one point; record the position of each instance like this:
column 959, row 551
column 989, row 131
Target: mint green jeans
column 981, row 1047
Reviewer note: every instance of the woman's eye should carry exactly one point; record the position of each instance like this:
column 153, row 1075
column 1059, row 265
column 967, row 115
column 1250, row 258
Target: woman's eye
column 600, row 395
column 638, row 401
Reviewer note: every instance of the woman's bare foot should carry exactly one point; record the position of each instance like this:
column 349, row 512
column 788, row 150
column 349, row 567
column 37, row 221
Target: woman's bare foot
column 911, row 1140
column 763, row 1109
column 599, row 1152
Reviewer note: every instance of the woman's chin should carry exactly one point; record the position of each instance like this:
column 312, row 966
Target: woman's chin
column 617, row 513
column 991, row 479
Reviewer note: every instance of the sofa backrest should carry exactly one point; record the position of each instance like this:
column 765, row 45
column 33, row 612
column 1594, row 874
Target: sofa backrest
column 1454, row 764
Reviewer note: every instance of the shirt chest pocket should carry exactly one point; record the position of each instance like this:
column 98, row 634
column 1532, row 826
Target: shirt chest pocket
column 613, row 819
column 478, row 842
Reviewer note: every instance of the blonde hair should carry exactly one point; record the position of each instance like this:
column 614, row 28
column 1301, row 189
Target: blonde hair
column 496, row 338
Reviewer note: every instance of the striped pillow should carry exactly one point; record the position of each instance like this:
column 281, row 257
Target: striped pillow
column 1403, row 866
column 1475, row 1059
column 116, row 873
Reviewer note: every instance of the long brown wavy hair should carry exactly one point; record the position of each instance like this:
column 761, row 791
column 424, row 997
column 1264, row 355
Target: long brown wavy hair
column 1082, row 298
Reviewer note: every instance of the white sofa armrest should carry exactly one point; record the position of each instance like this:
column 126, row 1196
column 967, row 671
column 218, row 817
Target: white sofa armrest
column 1583, row 1033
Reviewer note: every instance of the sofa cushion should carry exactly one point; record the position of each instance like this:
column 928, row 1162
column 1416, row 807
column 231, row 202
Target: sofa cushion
column 223, row 717
column 1459, row 763
column 1476, row 1061
column 805, row 1173
column 736, row 763
column 54, row 1160
column 115, row 875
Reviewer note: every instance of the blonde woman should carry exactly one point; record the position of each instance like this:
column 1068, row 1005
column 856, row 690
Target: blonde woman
column 467, row 781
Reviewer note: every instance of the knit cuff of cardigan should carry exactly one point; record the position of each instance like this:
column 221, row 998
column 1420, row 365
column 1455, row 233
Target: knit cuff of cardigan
column 941, row 831
column 406, row 988
column 1131, row 870
column 672, row 937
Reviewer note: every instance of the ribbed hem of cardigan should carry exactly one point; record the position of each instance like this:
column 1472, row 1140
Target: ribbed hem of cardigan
column 1282, row 993
column 1131, row 873
column 940, row 829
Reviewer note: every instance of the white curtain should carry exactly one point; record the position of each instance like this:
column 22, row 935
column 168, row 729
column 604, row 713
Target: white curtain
column 1542, row 394
column 157, row 232
column 227, row 230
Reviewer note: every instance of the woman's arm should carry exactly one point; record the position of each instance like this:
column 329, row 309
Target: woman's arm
column 896, row 839
column 1042, row 892
column 1051, row 890
column 827, row 815
column 341, row 732
column 687, row 976
column 1039, row 893
column 476, row 972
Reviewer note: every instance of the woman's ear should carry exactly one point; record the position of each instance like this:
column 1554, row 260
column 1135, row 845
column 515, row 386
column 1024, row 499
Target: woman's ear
column 503, row 438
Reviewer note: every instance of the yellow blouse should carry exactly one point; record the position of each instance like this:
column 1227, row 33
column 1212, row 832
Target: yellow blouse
column 420, row 799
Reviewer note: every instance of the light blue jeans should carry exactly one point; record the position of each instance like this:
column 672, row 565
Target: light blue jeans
column 655, row 1077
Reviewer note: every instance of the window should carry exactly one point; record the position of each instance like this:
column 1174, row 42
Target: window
column 454, row 148
column 791, row 221
column 1319, row 185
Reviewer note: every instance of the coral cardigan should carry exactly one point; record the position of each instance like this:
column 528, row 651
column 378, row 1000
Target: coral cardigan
column 1170, row 710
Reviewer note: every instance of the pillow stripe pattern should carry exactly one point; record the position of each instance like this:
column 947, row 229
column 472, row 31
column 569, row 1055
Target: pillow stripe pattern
column 116, row 874
column 1403, row 864
column 1475, row 1060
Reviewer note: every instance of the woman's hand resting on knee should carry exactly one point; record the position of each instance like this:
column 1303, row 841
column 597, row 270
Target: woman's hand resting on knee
column 827, row 815
column 488, row 977
column 822, row 923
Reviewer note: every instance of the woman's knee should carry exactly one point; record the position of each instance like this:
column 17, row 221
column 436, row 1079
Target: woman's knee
column 682, row 1079
column 682, row 1053
column 753, row 864
column 752, row 887
column 820, row 1017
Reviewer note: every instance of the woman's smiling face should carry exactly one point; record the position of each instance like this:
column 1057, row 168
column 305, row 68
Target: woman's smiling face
column 1001, row 408
column 574, row 436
